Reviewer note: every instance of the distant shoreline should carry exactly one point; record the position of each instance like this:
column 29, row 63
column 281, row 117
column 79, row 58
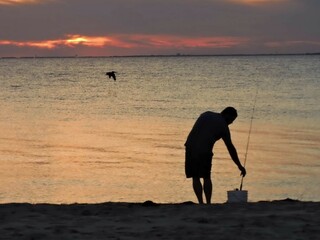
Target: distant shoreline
column 176, row 55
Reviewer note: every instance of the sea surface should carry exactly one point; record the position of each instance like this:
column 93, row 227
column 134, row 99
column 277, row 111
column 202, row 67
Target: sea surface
column 70, row 134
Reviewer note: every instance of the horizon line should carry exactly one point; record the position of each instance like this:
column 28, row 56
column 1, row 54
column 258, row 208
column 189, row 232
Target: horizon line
column 165, row 55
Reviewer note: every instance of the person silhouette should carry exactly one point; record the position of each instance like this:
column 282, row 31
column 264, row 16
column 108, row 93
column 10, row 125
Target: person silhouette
column 112, row 74
column 209, row 128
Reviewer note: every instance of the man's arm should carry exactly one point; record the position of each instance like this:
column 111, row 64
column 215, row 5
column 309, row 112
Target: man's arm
column 233, row 153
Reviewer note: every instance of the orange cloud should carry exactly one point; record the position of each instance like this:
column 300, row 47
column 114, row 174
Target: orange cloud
column 71, row 41
column 168, row 41
column 132, row 41
column 214, row 42
column 292, row 43
column 15, row 2
column 86, row 41
column 257, row 2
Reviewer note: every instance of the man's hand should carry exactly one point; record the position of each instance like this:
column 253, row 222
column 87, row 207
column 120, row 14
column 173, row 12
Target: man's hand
column 243, row 171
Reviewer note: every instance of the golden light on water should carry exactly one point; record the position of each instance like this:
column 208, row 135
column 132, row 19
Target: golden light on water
column 117, row 157
column 70, row 135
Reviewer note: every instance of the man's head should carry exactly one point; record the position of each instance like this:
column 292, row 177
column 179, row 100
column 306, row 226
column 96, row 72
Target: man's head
column 229, row 114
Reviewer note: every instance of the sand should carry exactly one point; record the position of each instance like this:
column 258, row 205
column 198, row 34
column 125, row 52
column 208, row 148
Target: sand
column 285, row 219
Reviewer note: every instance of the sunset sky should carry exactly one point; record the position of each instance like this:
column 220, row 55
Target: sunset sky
column 145, row 27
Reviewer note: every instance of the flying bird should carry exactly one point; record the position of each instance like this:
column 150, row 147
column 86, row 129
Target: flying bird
column 112, row 74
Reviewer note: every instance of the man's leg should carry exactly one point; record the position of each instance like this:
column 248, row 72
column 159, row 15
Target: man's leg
column 197, row 188
column 207, row 187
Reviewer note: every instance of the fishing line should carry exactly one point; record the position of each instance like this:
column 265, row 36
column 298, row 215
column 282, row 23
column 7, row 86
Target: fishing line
column 250, row 128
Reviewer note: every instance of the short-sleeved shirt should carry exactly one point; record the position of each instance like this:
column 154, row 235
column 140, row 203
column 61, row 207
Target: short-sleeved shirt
column 209, row 128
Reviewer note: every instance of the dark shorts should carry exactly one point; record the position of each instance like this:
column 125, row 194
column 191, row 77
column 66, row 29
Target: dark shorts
column 198, row 165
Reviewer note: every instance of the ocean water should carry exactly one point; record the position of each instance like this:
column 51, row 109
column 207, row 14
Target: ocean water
column 69, row 134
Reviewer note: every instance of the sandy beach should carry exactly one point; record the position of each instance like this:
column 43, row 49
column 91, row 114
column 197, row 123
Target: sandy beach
column 284, row 219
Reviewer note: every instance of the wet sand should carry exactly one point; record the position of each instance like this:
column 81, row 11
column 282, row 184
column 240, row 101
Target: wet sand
column 284, row 219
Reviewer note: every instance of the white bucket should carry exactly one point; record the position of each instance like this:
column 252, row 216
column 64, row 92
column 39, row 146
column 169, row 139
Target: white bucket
column 237, row 196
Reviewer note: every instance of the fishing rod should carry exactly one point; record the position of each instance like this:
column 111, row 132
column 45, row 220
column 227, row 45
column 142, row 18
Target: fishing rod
column 250, row 128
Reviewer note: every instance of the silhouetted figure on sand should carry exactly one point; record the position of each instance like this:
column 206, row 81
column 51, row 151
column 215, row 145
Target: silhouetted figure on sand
column 209, row 128
column 112, row 74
